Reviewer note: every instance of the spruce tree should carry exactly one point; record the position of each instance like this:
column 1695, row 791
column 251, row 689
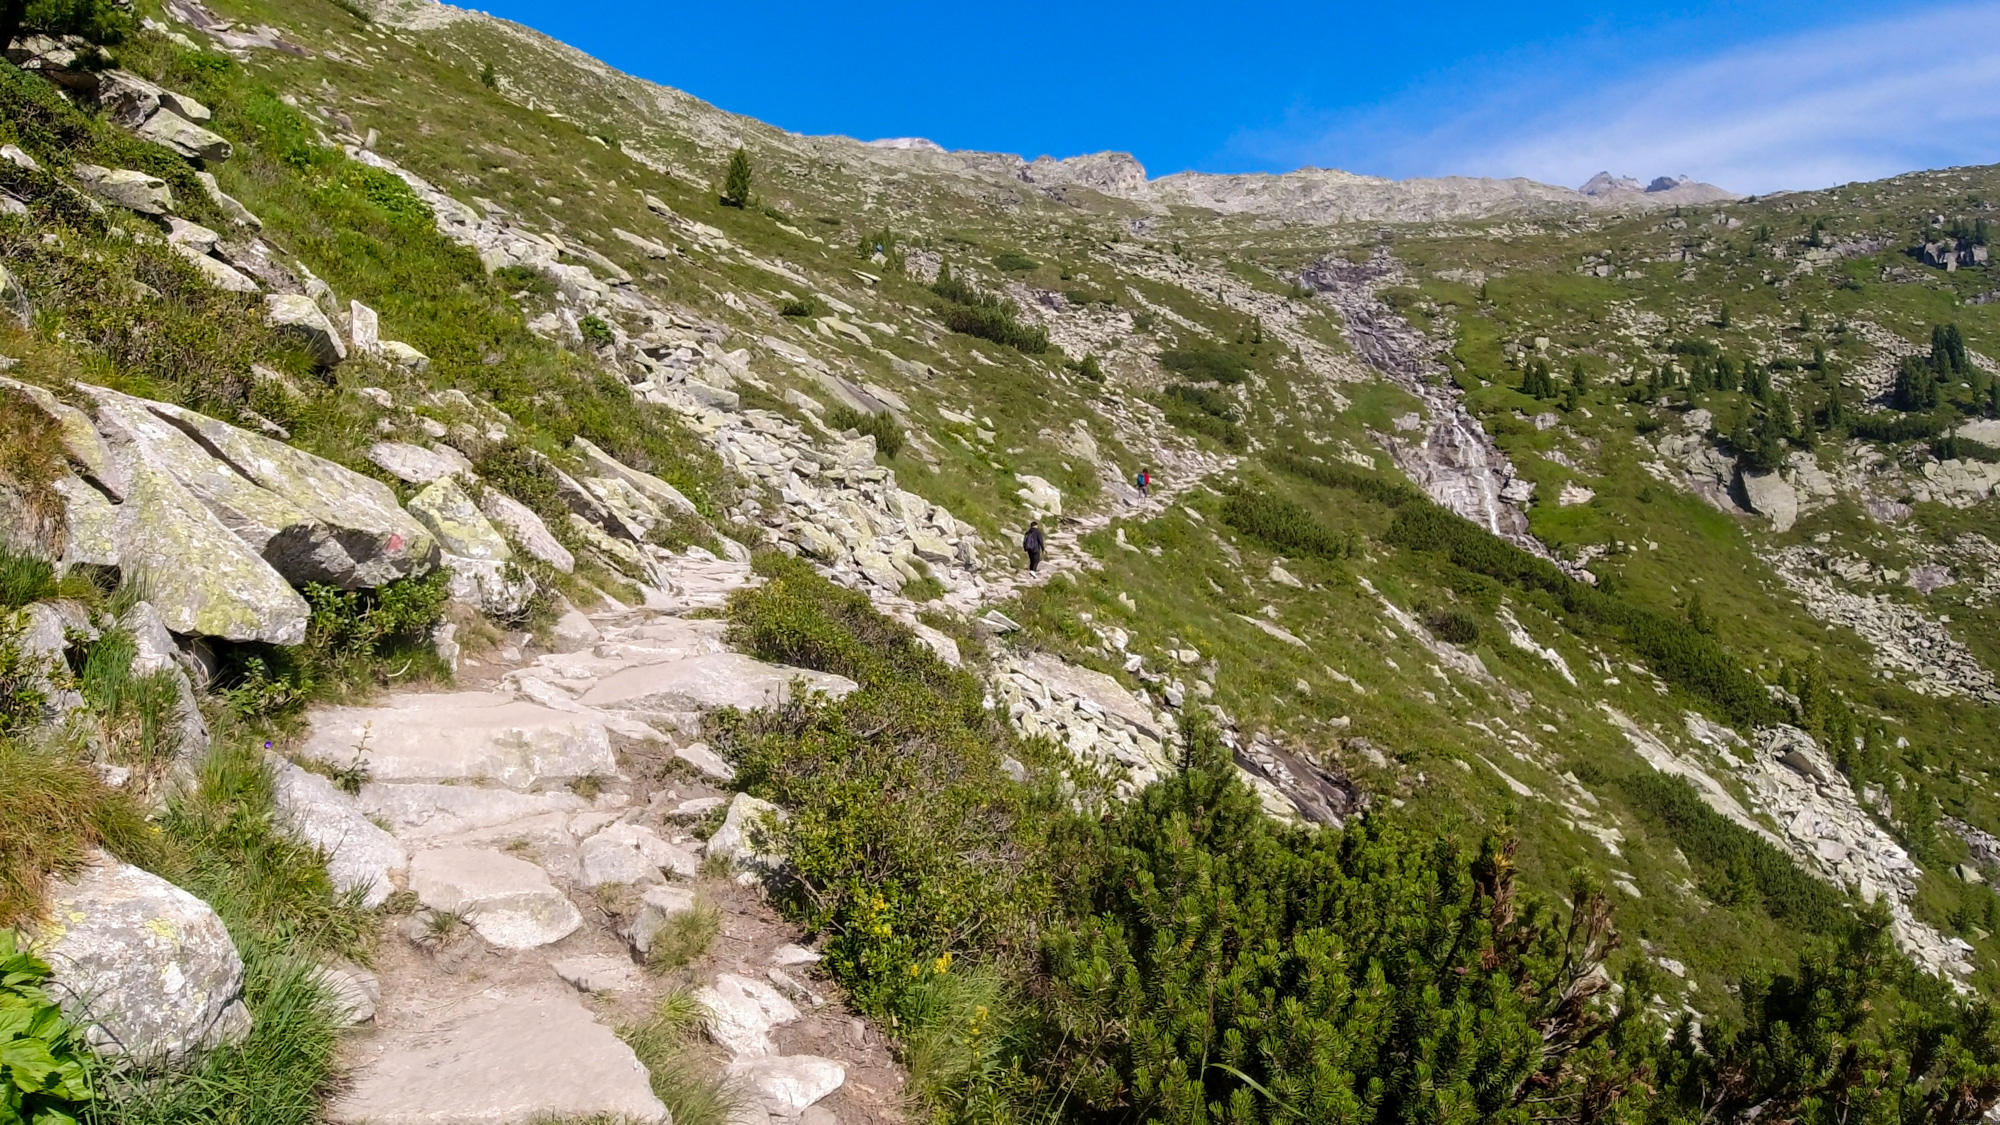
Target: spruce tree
column 736, row 183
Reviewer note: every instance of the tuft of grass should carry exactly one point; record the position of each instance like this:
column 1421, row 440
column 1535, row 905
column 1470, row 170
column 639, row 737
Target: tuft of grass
column 278, row 1075
column 684, row 937
column 956, row 1028
column 883, row 427
column 691, row 1085
column 56, row 809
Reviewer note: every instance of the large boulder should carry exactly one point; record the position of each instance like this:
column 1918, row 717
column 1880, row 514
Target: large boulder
column 132, row 190
column 202, row 578
column 300, row 317
column 1771, row 497
column 460, row 527
column 310, row 519
column 527, row 529
column 507, row 1059
column 509, row 901
column 146, row 967
column 476, row 554
column 185, row 137
column 664, row 495
column 359, row 855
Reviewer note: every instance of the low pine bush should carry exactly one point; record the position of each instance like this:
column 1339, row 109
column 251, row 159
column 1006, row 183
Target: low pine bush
column 1206, row 363
column 1283, row 526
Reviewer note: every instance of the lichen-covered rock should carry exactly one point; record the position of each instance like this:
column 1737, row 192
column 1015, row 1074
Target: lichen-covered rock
column 413, row 464
column 664, row 495
column 404, row 356
column 146, row 967
column 300, row 317
column 460, row 527
column 132, row 190
column 203, row 579
column 310, row 519
column 527, row 528
column 185, row 137
column 744, row 832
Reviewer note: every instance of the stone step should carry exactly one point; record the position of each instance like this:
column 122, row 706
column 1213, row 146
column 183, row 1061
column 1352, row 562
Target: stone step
column 506, row 1060
column 466, row 736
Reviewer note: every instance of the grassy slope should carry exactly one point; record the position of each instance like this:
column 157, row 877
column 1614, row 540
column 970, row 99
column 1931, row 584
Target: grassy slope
column 420, row 90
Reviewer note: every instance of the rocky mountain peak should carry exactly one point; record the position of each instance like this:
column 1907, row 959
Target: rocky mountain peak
column 1604, row 183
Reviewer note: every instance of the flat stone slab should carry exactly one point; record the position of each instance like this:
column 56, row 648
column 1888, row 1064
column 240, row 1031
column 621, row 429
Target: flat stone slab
column 428, row 810
column 708, row 682
column 598, row 974
column 1086, row 683
column 509, row 901
column 509, row 1061
column 464, row 736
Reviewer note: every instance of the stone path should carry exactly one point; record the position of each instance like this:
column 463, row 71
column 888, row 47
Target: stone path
column 540, row 829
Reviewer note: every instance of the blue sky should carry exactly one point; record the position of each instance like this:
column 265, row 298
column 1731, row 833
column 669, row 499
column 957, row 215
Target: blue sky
column 1755, row 95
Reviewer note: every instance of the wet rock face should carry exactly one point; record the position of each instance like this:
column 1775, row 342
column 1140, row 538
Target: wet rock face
column 1453, row 460
column 147, row 968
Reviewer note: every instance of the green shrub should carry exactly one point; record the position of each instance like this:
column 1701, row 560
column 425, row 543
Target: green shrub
column 906, row 836
column 1283, row 526
column 737, row 179
column 1013, row 261
column 1206, row 363
column 883, row 427
column 596, row 332
column 1373, row 486
column 1453, row 624
column 99, row 21
column 1732, row 864
column 44, row 1061
column 24, row 681
column 353, row 639
column 996, row 322
column 1202, row 411
column 969, row 311
column 1215, row 966
column 805, row 306
column 1676, row 651
column 1088, row 367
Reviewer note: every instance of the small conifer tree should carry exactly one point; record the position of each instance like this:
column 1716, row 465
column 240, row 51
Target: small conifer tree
column 736, row 182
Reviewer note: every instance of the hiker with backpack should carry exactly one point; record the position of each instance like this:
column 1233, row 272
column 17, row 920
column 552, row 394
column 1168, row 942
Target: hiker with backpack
column 1032, row 544
column 1144, row 481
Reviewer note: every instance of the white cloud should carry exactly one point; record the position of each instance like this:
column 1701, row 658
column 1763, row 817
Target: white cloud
column 1856, row 102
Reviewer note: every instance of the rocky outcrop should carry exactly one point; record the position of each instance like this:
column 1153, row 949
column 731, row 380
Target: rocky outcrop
column 308, row 518
column 147, row 968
